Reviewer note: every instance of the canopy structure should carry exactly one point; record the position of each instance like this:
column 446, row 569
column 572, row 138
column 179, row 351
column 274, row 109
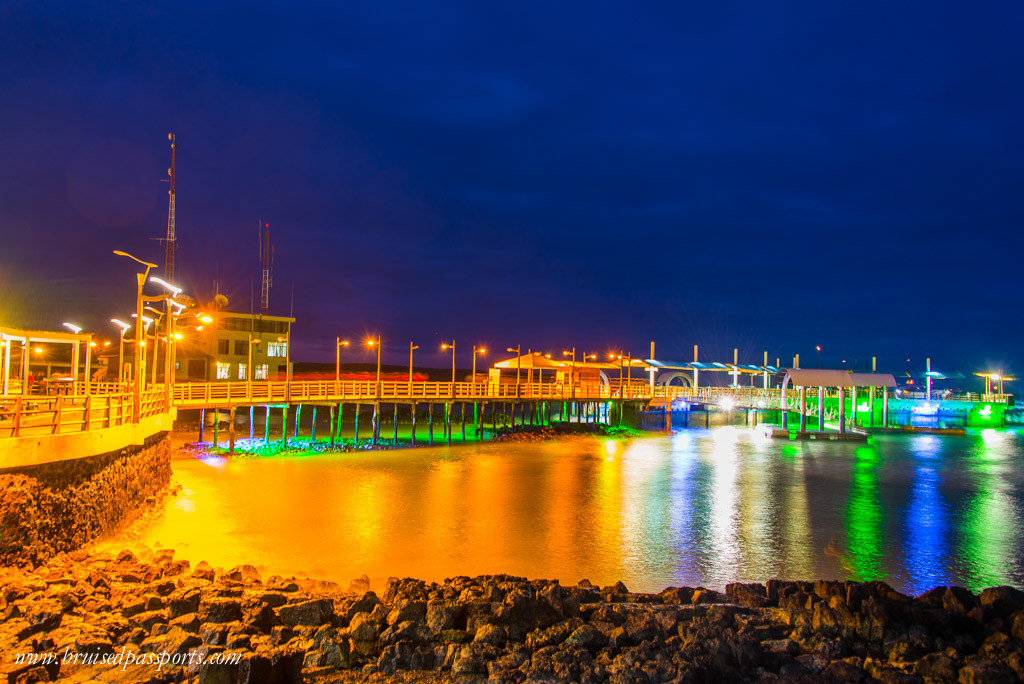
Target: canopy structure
column 10, row 335
column 816, row 377
column 933, row 375
column 541, row 362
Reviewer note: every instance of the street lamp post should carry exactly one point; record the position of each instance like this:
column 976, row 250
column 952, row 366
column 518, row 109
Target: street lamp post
column 375, row 342
column 572, row 373
column 120, row 349
column 519, row 354
column 248, row 367
column 476, row 419
column 476, row 351
column 337, row 358
column 141, row 278
column 411, row 348
column 819, row 355
column 452, row 347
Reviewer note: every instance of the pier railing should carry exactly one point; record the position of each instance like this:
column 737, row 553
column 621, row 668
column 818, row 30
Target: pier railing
column 25, row 416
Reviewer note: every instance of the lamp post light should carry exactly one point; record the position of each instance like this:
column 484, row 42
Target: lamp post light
column 248, row 366
column 339, row 343
column 572, row 372
column 375, row 342
column 411, row 348
column 141, row 280
column 481, row 351
column 120, row 348
column 518, row 349
column 451, row 346
column 819, row 356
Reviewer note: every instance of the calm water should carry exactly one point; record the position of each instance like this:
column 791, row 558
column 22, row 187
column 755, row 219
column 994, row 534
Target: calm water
column 700, row 507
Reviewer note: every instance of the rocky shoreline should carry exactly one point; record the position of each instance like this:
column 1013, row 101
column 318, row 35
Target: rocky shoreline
column 499, row 627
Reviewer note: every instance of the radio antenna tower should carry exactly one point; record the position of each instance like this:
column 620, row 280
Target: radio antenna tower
column 169, row 255
column 267, row 260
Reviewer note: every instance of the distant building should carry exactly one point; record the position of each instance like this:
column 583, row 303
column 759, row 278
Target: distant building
column 218, row 351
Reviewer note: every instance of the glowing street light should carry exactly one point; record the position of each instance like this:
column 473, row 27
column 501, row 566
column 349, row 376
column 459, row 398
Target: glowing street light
column 160, row 281
column 481, row 351
column 141, row 280
column 519, row 354
column 452, row 347
column 120, row 349
column 337, row 357
column 375, row 342
column 73, row 328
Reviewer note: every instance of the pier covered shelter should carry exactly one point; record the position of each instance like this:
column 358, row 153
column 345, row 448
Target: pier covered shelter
column 840, row 380
column 10, row 335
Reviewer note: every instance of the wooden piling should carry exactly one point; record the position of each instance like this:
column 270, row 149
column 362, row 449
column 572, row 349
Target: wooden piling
column 202, row 421
column 284, row 425
column 298, row 419
column 313, row 427
column 231, row 431
column 252, row 428
column 412, row 410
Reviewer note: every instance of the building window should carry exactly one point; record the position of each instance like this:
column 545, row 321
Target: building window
column 223, row 370
column 241, row 371
column 260, row 372
column 240, row 348
column 277, row 349
column 177, row 365
column 222, row 346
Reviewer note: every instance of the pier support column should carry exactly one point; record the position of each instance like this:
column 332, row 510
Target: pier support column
column 853, row 407
column 202, row 423
column 430, row 424
column 356, row 435
column 885, row 407
column 339, row 416
column 412, row 410
column 252, row 417
column 313, row 427
column 396, row 425
column 803, row 409
column 494, row 421
column 284, row 425
column 448, row 420
column 333, row 427
column 298, row 419
column 216, row 428
column 871, row 407
column 266, row 427
column 462, row 412
column 375, row 425
column 821, row 409
column 842, row 412
column 231, row 431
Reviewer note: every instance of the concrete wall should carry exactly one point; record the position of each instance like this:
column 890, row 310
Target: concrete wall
column 19, row 452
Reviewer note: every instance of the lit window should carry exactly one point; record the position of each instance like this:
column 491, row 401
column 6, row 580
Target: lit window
column 223, row 346
column 260, row 372
column 223, row 371
column 241, row 371
column 277, row 349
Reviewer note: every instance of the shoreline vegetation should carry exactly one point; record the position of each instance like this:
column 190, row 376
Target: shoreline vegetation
column 246, row 447
column 500, row 627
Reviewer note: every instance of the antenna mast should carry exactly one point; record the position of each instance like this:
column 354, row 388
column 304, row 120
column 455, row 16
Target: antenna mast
column 169, row 255
column 266, row 259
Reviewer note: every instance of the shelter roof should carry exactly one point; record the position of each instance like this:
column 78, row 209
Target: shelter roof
column 8, row 332
column 817, row 377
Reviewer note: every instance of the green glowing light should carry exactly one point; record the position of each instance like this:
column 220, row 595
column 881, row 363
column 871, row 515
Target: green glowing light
column 862, row 407
column 865, row 518
column 986, row 412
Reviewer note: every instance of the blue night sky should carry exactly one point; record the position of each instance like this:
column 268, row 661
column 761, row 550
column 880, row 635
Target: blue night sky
column 754, row 175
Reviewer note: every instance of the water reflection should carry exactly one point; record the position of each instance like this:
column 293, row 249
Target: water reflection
column 926, row 526
column 700, row 507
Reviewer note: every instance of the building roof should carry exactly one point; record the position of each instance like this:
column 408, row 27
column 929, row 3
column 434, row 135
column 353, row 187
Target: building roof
column 8, row 332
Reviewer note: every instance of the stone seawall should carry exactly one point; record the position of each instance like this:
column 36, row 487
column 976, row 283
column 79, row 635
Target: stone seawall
column 55, row 507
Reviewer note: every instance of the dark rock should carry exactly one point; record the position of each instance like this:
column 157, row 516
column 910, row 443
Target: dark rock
column 366, row 604
column 491, row 634
column 1003, row 600
column 186, row 601
column 586, row 636
column 220, row 610
column 315, row 612
column 936, row 667
column 981, row 671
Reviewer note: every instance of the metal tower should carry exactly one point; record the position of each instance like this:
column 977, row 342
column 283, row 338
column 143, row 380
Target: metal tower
column 267, row 260
column 169, row 255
